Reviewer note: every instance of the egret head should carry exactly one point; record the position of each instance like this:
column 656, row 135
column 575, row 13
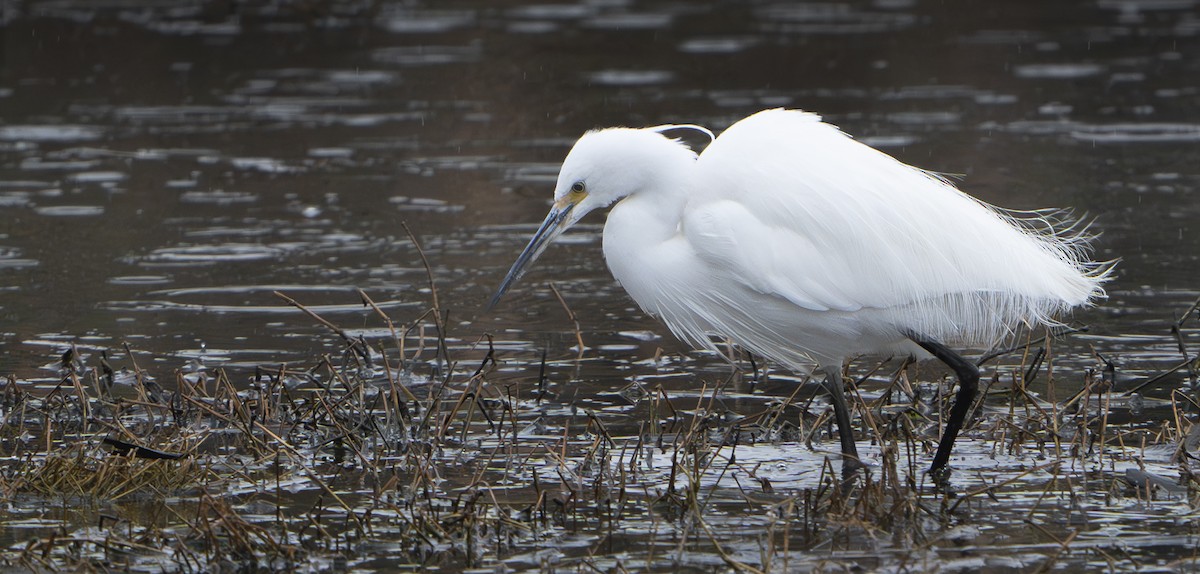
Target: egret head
column 603, row 167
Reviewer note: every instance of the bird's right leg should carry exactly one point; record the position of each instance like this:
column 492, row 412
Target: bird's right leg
column 841, row 412
column 968, row 387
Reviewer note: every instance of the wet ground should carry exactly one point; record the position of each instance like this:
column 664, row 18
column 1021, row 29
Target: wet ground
column 166, row 166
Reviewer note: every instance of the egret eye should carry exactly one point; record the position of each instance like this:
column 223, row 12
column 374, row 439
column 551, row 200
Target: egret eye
column 577, row 187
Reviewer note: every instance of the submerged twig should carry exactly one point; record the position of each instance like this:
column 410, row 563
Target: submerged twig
column 574, row 320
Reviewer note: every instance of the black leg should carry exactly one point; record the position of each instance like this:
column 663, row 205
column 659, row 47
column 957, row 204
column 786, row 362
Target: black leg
column 968, row 386
column 841, row 412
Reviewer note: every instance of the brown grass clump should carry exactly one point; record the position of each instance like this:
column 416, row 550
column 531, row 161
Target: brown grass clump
column 84, row 472
column 396, row 455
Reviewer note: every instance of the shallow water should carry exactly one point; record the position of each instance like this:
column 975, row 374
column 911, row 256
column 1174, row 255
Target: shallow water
column 165, row 167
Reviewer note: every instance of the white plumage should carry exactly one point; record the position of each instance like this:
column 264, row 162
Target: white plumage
column 801, row 244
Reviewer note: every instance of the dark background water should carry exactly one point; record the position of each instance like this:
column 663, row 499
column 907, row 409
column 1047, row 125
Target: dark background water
column 165, row 166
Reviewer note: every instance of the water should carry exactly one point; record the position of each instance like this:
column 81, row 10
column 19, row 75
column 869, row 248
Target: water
column 165, row 167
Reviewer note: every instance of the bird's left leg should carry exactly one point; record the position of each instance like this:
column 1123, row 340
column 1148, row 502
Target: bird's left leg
column 841, row 413
column 968, row 387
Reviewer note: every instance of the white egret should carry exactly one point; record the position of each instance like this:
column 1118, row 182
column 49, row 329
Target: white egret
column 802, row 245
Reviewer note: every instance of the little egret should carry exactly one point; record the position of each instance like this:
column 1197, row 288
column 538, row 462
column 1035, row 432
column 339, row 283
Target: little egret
column 804, row 246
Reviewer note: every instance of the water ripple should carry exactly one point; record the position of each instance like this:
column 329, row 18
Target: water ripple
column 621, row 78
column 10, row 258
column 39, row 164
column 629, row 21
column 427, row 55
column 15, row 198
column 263, row 164
column 162, row 305
column 139, row 280
column 551, row 12
column 424, row 204
column 407, row 21
column 1138, row 133
column 218, row 197
column 1104, row 133
column 1065, row 71
column 829, row 18
column 925, row 118
column 156, row 22
column 49, row 133
column 717, row 45
column 211, row 254
column 97, row 177
column 70, row 210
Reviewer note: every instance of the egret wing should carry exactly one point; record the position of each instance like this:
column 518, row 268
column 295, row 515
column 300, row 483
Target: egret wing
column 793, row 207
column 740, row 247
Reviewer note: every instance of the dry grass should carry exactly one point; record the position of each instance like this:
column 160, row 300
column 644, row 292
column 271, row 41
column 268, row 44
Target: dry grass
column 396, row 454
